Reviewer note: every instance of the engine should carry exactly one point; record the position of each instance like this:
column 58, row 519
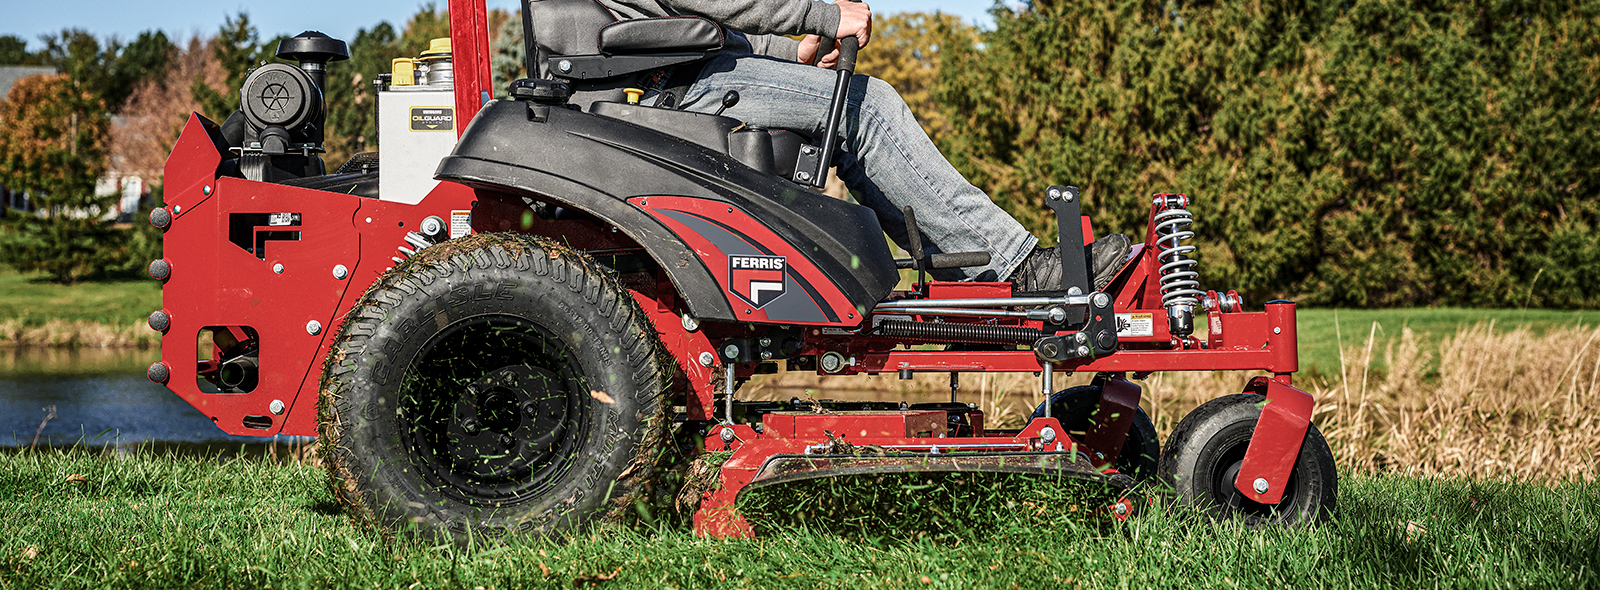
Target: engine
column 278, row 130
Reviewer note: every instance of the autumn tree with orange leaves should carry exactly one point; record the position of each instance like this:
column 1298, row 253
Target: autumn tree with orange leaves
column 53, row 145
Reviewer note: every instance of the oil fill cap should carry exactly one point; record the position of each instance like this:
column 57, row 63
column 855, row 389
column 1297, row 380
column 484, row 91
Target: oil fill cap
column 438, row 48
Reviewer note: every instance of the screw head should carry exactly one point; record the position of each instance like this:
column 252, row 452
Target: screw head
column 469, row 426
column 160, row 269
column 1083, row 351
column 731, row 351
column 506, row 440
column 340, row 272
column 1050, row 350
column 706, row 359
column 1058, row 314
column 1074, row 291
column 1048, row 434
column 1260, row 485
column 690, row 324
column 1277, row 330
column 313, row 327
column 726, row 434
column 277, row 269
column 1080, row 337
column 276, row 407
column 160, row 321
column 804, row 176
column 564, row 65
column 1121, row 508
column 1055, row 194
column 1102, row 300
column 206, row 190
column 832, row 362
column 1067, row 196
column 158, row 373
column 160, row 217
column 177, row 209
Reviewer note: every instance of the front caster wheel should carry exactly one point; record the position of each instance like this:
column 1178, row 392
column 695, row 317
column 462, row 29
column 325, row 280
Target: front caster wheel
column 489, row 385
column 1205, row 451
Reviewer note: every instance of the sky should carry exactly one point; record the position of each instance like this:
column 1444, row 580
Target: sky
column 182, row 19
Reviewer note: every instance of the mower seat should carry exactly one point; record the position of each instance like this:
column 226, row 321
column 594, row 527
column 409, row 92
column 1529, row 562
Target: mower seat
column 582, row 41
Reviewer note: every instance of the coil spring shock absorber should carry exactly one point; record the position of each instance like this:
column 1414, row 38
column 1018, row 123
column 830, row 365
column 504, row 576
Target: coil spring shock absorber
column 1180, row 283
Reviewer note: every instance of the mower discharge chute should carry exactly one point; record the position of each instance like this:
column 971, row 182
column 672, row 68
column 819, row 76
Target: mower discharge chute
column 502, row 327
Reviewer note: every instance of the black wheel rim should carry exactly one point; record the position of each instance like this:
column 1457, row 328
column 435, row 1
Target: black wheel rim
column 1233, row 503
column 492, row 410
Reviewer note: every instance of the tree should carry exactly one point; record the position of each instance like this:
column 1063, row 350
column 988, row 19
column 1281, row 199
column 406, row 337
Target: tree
column 158, row 108
column 1353, row 152
column 14, row 52
column 351, row 96
column 237, row 49
column 53, row 146
column 110, row 70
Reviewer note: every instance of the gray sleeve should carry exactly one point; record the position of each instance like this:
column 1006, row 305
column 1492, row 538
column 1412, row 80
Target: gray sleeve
column 766, row 17
column 775, row 46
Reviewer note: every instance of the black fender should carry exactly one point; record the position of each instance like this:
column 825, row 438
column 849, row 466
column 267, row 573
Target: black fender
column 596, row 164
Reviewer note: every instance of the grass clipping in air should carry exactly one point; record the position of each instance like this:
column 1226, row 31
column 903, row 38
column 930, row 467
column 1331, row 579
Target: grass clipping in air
column 930, row 504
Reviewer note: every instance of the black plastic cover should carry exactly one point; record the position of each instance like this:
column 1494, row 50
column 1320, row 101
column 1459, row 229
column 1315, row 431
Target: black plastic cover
column 594, row 164
column 707, row 130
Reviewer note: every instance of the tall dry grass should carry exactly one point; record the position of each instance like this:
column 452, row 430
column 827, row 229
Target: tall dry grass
column 16, row 333
column 1496, row 404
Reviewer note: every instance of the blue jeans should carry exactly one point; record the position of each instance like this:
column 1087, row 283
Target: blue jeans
column 887, row 159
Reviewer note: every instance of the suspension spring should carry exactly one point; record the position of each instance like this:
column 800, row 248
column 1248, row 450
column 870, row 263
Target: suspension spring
column 1180, row 282
column 968, row 333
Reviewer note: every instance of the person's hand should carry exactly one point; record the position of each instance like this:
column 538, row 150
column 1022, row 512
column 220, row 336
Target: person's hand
column 855, row 19
column 808, row 52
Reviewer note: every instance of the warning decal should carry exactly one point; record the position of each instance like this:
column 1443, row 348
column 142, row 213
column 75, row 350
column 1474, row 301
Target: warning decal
column 1136, row 324
column 460, row 223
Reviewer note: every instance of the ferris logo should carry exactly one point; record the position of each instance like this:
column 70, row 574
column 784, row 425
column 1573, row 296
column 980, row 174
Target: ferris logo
column 758, row 280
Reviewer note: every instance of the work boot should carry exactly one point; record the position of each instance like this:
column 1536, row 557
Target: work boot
column 1041, row 271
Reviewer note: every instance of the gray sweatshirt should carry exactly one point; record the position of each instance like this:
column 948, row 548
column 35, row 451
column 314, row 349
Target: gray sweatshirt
column 762, row 21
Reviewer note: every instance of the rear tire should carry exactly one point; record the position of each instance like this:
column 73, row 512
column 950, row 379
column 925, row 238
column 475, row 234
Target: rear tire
column 1204, row 454
column 492, row 384
column 1076, row 407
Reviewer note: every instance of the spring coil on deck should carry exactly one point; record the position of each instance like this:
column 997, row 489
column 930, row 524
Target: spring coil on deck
column 1180, row 282
column 967, row 333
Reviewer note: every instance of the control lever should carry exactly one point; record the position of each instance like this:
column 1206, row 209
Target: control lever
column 818, row 171
column 728, row 100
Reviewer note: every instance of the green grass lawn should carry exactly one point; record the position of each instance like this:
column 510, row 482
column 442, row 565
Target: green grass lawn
column 165, row 522
column 35, row 299
column 1320, row 335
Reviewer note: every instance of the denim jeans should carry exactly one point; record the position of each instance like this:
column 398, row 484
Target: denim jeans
column 887, row 159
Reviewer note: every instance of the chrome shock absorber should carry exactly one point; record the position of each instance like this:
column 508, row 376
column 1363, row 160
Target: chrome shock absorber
column 1180, row 284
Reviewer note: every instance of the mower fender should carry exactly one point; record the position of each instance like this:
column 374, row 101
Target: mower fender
column 1275, row 444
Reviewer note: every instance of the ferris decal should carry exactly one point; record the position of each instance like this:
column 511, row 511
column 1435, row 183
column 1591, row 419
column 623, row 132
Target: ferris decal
column 758, row 280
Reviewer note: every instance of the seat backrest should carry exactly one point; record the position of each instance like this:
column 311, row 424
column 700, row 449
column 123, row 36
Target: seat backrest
column 561, row 27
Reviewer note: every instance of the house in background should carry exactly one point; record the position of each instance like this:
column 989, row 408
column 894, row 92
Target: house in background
column 8, row 77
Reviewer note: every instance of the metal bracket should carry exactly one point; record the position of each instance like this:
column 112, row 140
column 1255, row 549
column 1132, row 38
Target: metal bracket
column 1069, row 227
column 1097, row 338
column 807, row 165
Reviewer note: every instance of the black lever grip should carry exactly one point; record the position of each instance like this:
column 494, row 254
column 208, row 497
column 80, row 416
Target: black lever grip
column 959, row 260
column 847, row 54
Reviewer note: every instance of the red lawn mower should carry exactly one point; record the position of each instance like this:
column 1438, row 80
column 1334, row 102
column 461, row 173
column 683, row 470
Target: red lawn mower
column 502, row 328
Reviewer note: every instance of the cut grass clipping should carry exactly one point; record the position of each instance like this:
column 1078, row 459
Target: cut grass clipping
column 930, row 504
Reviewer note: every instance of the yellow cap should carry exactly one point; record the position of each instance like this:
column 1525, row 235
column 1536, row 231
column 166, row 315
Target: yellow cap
column 633, row 94
column 404, row 72
column 438, row 48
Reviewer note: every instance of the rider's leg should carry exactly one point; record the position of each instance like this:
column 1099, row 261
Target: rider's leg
column 889, row 161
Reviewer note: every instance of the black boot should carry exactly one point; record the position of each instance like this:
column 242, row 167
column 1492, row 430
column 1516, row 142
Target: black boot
column 1041, row 271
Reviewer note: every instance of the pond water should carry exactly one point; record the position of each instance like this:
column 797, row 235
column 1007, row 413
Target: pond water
column 100, row 398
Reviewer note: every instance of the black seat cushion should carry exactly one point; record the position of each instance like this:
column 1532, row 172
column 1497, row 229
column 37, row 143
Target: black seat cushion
column 663, row 34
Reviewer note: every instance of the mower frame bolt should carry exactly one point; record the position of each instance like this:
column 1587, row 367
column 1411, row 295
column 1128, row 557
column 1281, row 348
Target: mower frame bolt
column 506, row 440
column 158, row 373
column 1066, row 196
column 1074, row 291
column 707, row 359
column 1121, row 508
column 832, row 362
column 1080, row 337
column 1049, row 350
column 160, row 269
column 766, row 355
column 765, row 342
column 731, row 351
column 564, row 65
column 1260, row 485
column 1102, row 300
column 690, row 324
column 159, row 321
column 313, row 327
column 726, row 435
column 206, row 190
column 160, row 218
column 1083, row 351
column 276, row 407
column 1058, row 314
column 277, row 269
column 340, row 272
column 470, row 426
column 177, row 209
column 1277, row 330
column 1055, row 194
column 1048, row 435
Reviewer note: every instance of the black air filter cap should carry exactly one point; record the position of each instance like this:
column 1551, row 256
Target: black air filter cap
column 313, row 46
